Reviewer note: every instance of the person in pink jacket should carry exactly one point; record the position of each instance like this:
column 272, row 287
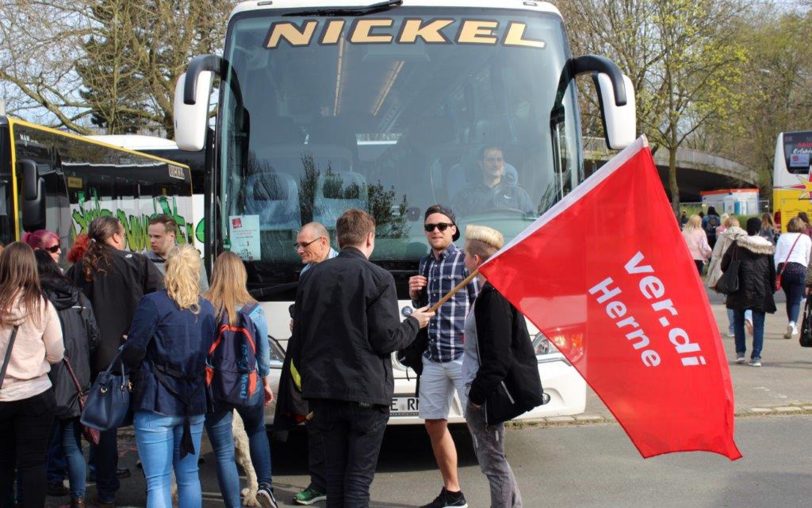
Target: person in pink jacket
column 27, row 401
column 697, row 241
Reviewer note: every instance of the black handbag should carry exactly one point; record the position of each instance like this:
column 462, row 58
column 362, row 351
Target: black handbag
column 108, row 401
column 806, row 327
column 728, row 283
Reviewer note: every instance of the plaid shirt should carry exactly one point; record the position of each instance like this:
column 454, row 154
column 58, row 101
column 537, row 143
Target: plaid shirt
column 445, row 330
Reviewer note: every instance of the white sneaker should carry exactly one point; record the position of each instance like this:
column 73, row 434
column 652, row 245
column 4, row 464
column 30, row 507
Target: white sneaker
column 740, row 359
column 790, row 331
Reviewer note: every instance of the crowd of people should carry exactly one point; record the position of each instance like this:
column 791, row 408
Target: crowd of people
column 154, row 315
column 764, row 259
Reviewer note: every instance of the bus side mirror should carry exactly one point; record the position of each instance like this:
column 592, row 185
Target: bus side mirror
column 619, row 121
column 33, row 205
column 191, row 120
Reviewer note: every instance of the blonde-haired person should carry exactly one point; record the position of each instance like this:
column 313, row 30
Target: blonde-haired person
column 792, row 255
column 166, row 348
column 27, row 401
column 697, row 241
column 732, row 232
column 228, row 294
column 498, row 352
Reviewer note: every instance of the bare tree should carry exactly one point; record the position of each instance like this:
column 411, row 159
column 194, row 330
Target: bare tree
column 113, row 63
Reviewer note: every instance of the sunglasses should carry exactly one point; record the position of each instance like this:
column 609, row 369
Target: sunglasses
column 53, row 249
column 442, row 226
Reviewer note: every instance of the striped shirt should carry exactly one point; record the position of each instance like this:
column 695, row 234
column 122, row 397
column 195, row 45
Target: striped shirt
column 445, row 330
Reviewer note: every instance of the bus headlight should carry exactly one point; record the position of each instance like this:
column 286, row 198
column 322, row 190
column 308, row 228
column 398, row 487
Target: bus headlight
column 542, row 346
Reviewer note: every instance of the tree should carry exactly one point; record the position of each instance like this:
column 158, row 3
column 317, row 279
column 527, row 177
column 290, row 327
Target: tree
column 110, row 62
column 681, row 55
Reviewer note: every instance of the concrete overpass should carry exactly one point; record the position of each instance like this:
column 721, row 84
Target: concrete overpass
column 696, row 171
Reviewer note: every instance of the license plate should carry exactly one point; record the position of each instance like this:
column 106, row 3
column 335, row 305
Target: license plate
column 404, row 406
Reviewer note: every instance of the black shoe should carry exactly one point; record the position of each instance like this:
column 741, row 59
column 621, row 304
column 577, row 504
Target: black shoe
column 57, row 489
column 448, row 499
column 122, row 473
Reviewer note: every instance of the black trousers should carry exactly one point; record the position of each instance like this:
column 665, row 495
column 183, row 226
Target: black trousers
column 25, row 431
column 316, row 460
column 352, row 436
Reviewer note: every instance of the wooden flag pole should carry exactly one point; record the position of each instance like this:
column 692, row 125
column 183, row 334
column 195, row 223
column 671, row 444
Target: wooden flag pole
column 456, row 288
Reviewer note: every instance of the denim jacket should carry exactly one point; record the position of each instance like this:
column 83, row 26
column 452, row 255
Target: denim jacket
column 166, row 352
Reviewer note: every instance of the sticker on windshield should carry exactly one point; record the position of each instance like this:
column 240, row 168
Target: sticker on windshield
column 383, row 31
column 244, row 234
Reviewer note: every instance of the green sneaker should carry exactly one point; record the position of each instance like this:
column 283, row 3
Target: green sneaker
column 309, row 496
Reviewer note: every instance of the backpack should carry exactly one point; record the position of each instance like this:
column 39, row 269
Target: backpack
column 231, row 368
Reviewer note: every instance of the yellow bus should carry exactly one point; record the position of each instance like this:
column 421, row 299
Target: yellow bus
column 59, row 181
column 792, row 188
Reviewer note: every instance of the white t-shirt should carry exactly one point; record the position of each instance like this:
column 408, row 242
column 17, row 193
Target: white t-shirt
column 800, row 254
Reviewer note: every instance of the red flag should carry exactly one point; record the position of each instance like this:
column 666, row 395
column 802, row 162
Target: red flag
column 607, row 267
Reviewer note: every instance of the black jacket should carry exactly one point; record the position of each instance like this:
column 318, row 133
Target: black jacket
column 79, row 333
column 756, row 274
column 345, row 327
column 508, row 377
column 115, row 293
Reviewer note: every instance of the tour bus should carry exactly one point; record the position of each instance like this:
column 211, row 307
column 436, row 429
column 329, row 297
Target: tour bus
column 50, row 179
column 792, row 179
column 325, row 105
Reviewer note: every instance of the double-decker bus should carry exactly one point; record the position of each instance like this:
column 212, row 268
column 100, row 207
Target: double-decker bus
column 792, row 178
column 50, row 179
column 328, row 105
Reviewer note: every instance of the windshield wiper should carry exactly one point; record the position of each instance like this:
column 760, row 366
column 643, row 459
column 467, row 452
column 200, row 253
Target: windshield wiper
column 347, row 11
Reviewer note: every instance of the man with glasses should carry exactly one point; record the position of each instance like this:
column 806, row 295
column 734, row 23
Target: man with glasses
column 495, row 189
column 313, row 246
column 439, row 271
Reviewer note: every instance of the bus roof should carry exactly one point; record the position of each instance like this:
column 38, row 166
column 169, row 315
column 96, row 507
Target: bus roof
column 316, row 4
column 136, row 141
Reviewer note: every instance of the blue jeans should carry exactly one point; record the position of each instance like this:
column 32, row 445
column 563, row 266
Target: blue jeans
column 56, row 457
column 70, row 433
column 758, row 332
column 158, row 440
column 792, row 282
column 218, row 427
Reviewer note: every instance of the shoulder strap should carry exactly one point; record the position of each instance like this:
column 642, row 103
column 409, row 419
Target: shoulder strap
column 249, row 308
column 784, row 265
column 7, row 359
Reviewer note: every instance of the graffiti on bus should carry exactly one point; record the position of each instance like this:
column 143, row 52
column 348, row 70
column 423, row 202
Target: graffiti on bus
column 135, row 213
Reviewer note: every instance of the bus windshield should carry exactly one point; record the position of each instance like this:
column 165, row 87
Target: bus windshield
column 797, row 151
column 390, row 113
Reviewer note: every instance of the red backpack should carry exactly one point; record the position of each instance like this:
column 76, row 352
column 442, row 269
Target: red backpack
column 231, row 368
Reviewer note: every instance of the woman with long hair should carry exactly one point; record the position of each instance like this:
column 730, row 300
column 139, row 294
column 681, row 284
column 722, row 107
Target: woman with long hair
column 166, row 350
column 26, row 394
column 228, row 294
column 114, row 280
column 697, row 241
column 768, row 229
column 79, row 334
